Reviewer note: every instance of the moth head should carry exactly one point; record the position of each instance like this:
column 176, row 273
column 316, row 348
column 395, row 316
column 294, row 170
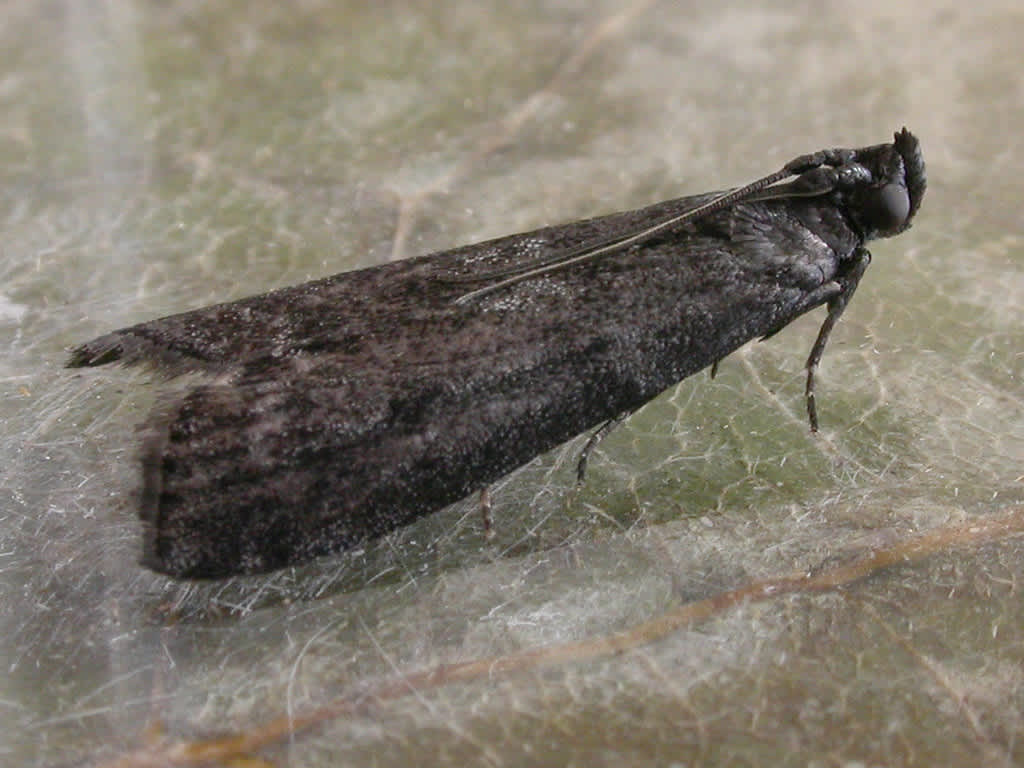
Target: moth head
column 884, row 185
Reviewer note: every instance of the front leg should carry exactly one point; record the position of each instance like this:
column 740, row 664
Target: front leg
column 847, row 285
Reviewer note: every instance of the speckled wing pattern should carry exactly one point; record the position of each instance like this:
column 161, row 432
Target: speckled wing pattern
column 346, row 407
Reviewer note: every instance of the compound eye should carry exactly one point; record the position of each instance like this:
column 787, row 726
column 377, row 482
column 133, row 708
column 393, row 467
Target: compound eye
column 887, row 208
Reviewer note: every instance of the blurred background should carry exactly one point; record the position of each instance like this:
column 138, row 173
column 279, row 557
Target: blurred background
column 156, row 157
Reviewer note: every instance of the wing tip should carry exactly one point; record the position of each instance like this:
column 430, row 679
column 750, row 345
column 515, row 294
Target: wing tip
column 99, row 351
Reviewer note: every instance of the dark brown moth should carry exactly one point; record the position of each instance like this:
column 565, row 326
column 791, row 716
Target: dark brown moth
column 346, row 407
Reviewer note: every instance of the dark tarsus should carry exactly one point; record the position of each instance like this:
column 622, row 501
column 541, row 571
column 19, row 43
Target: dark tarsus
column 349, row 406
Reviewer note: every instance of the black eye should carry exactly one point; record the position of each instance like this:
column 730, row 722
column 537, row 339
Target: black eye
column 887, row 207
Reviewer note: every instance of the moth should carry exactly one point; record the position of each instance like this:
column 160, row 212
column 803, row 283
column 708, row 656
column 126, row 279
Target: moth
column 343, row 408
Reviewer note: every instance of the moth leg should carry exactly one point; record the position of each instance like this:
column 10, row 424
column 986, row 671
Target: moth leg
column 599, row 435
column 848, row 284
column 485, row 512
